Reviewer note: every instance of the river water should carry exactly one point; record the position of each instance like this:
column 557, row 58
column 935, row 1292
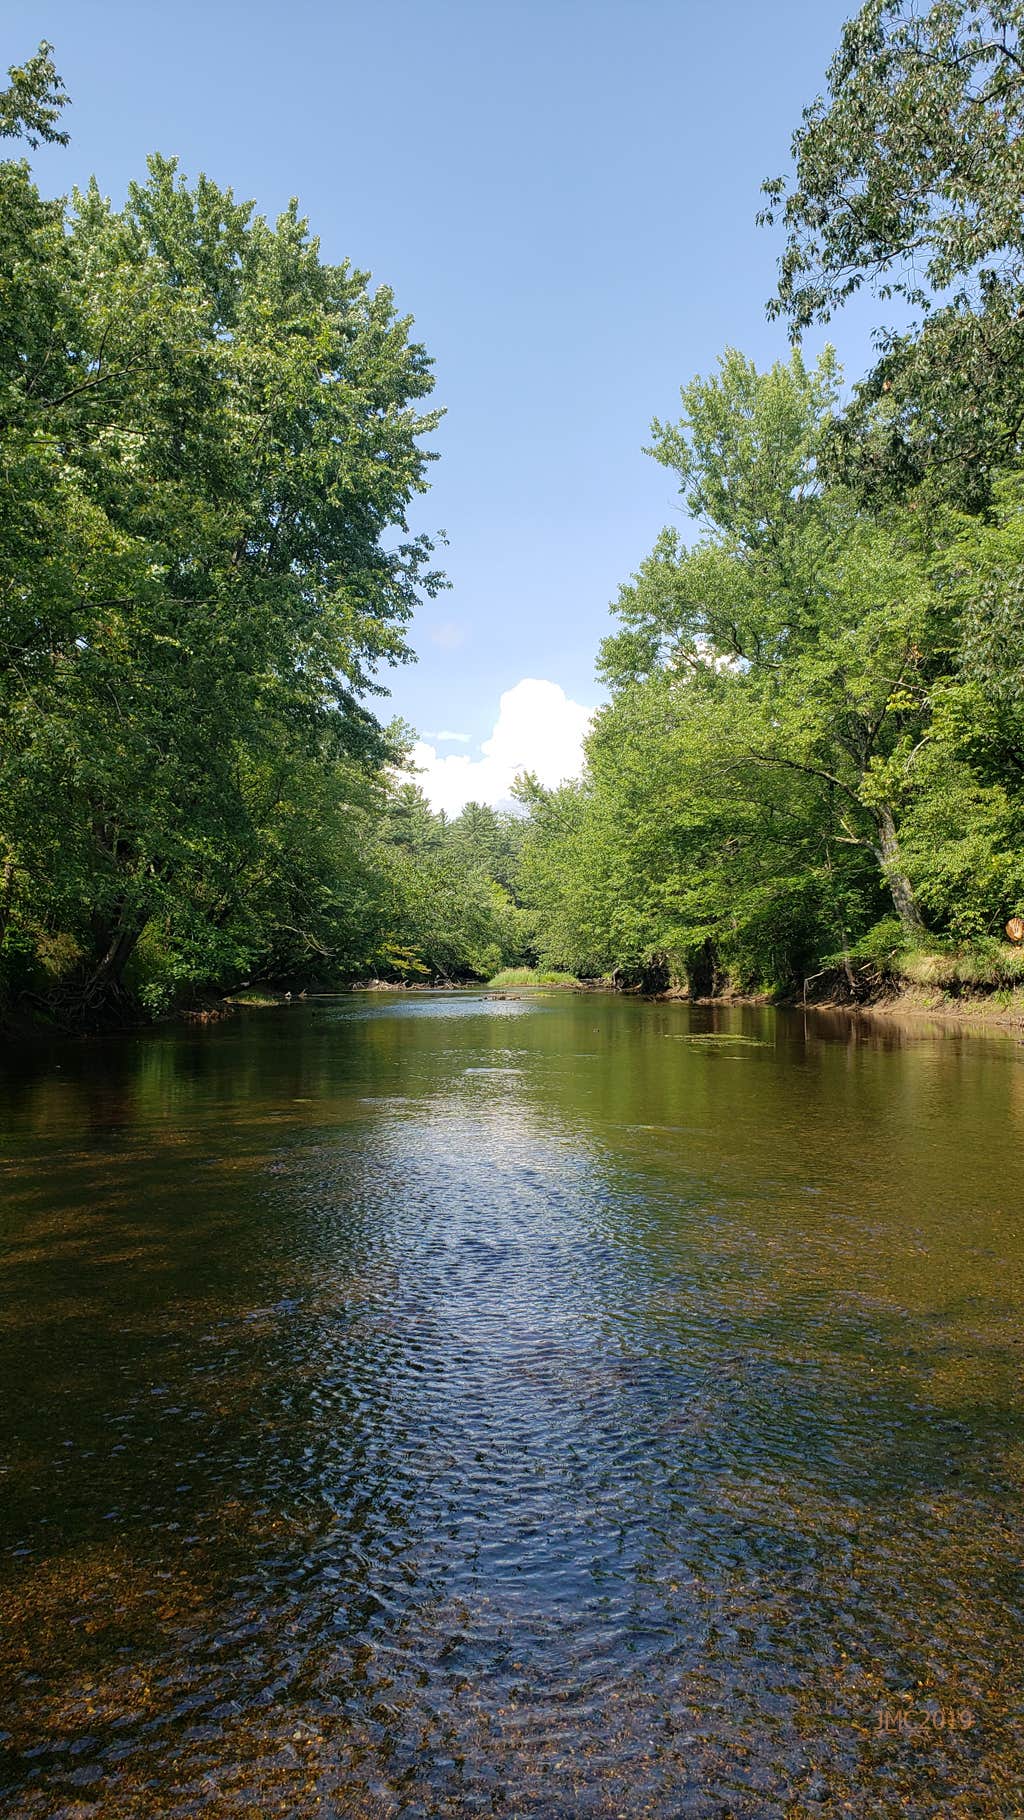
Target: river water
column 555, row 1405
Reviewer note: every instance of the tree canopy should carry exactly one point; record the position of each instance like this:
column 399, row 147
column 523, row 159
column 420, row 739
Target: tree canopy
column 211, row 438
column 812, row 759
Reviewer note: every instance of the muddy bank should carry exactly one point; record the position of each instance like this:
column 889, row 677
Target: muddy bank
column 992, row 1009
column 999, row 1009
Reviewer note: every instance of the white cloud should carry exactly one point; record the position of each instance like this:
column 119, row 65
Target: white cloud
column 538, row 729
column 463, row 738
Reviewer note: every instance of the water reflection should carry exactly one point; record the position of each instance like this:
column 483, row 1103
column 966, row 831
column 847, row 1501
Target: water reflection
column 559, row 1406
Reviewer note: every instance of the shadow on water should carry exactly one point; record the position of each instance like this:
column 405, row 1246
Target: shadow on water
column 547, row 1406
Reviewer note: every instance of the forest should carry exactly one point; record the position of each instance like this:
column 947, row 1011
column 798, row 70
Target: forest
column 810, row 767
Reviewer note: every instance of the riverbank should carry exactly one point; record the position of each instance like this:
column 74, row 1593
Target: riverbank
column 983, row 1008
column 988, row 1008
column 994, row 1009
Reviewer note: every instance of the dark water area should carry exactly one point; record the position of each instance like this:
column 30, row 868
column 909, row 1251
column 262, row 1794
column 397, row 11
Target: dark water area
column 552, row 1406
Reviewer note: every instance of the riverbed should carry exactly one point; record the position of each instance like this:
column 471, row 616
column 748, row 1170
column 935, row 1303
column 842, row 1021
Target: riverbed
column 549, row 1405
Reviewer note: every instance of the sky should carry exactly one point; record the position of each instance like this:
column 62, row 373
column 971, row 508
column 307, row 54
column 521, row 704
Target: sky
column 562, row 194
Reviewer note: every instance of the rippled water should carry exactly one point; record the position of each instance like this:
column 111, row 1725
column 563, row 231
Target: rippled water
column 552, row 1406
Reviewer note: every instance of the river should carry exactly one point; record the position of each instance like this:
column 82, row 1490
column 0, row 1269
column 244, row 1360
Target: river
column 553, row 1405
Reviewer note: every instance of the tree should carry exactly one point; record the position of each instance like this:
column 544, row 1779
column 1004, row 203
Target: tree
column 965, row 831
column 825, row 616
column 490, row 841
column 908, row 177
column 210, row 440
column 814, row 752
column 32, row 104
column 446, row 914
column 567, row 879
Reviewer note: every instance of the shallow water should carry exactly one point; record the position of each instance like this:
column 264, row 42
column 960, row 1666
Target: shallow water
column 555, row 1405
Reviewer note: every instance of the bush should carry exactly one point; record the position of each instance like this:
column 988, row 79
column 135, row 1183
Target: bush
column 985, row 965
column 882, row 946
column 532, row 976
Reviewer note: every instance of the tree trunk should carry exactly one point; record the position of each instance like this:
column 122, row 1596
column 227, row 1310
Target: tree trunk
column 6, row 896
column 118, row 954
column 702, row 971
column 116, row 941
column 655, row 976
column 891, row 862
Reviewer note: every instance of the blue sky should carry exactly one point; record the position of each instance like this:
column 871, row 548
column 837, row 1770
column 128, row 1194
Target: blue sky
column 563, row 195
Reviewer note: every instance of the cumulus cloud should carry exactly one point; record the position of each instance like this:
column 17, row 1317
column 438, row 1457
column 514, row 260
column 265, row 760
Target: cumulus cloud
column 463, row 738
column 538, row 729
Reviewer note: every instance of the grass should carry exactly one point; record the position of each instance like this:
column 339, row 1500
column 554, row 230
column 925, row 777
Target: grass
column 532, row 976
column 251, row 995
column 987, row 968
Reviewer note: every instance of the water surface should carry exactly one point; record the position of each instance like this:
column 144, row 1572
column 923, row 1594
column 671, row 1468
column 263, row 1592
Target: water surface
column 556, row 1405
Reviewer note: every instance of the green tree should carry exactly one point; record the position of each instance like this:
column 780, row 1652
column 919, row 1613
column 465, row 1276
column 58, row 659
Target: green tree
column 965, row 832
column 31, row 105
column 825, row 616
column 491, row 841
column 210, row 441
column 909, row 174
column 908, row 177
column 813, row 752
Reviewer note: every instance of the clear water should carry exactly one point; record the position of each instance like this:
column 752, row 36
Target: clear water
column 553, row 1405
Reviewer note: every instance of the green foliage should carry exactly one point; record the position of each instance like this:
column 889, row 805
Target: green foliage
column 31, row 106
column 532, row 976
column 209, row 442
column 814, row 754
column 908, row 178
column 444, row 911
column 812, row 760
column 985, row 964
column 564, row 879
column 909, row 173
column 489, row 841
column 883, row 947
column 815, row 731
